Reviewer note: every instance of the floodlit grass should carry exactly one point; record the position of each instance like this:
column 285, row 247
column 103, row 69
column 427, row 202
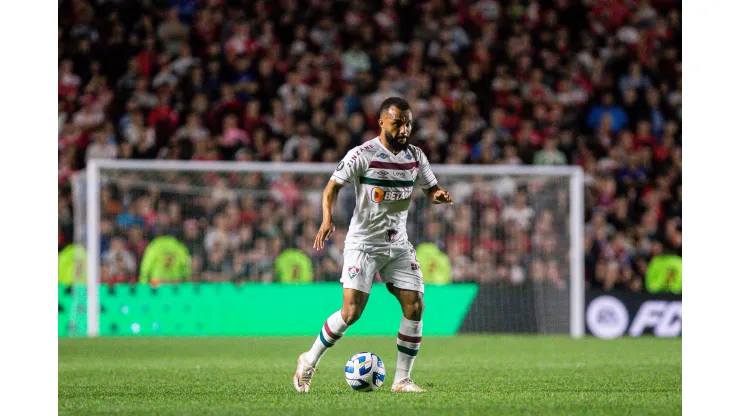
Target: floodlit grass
column 466, row 374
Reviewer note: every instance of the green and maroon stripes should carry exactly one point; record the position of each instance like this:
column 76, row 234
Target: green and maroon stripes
column 408, row 345
column 385, row 182
column 328, row 337
column 396, row 166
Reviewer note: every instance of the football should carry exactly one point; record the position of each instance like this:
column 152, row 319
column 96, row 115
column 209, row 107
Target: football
column 364, row 371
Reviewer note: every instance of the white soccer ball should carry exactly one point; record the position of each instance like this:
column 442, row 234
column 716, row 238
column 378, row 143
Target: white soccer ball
column 364, row 371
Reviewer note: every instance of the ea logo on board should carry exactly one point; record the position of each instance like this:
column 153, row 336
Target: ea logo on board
column 607, row 317
column 378, row 195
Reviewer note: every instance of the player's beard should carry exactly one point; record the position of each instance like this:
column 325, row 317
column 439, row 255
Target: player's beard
column 395, row 144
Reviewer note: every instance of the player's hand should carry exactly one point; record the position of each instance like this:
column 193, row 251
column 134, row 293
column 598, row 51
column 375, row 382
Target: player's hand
column 325, row 231
column 441, row 196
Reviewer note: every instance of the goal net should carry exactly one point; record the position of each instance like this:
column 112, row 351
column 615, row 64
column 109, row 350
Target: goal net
column 162, row 229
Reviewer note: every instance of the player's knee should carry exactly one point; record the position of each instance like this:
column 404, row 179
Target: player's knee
column 351, row 312
column 414, row 310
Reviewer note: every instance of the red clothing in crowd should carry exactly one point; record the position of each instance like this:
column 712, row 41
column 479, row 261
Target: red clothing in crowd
column 165, row 115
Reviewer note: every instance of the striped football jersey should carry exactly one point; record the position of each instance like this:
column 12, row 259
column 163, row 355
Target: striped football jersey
column 383, row 185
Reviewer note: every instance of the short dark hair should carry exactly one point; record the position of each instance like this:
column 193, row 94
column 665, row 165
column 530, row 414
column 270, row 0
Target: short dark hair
column 397, row 102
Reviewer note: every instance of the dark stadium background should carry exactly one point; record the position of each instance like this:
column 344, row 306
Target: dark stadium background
column 590, row 83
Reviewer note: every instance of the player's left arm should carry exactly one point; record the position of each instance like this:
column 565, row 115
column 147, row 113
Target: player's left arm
column 428, row 182
column 437, row 195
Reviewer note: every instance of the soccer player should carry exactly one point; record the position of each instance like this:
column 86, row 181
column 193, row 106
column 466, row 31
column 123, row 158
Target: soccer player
column 383, row 172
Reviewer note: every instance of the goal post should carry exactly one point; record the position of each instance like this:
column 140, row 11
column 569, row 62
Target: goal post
column 540, row 241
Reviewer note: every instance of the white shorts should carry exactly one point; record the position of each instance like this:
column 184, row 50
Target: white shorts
column 396, row 263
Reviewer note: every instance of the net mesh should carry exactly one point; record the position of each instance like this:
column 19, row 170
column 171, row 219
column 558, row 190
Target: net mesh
column 508, row 233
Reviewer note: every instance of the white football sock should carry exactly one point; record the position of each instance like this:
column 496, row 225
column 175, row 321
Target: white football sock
column 408, row 343
column 332, row 331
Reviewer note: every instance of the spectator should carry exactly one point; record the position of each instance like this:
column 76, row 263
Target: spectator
column 103, row 146
column 302, row 139
column 120, row 262
column 550, row 155
column 193, row 129
column 616, row 113
column 172, row 32
column 634, row 79
column 354, row 60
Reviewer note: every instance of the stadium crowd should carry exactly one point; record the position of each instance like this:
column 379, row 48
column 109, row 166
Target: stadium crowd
column 594, row 83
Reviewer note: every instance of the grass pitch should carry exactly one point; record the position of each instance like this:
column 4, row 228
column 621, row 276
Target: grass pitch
column 465, row 375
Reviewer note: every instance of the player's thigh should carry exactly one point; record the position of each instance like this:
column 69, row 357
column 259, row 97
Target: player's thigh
column 402, row 271
column 412, row 302
column 358, row 270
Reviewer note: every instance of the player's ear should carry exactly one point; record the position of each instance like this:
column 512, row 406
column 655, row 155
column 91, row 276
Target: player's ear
column 380, row 122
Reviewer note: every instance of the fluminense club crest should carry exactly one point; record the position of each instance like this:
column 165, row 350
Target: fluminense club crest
column 353, row 272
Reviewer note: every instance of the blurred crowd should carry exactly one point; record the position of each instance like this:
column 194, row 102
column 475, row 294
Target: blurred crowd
column 594, row 83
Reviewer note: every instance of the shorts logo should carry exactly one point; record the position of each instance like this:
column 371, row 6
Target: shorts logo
column 382, row 174
column 340, row 165
column 353, row 272
column 380, row 195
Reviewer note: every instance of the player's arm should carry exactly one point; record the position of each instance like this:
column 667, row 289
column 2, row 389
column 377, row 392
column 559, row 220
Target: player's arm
column 429, row 184
column 327, row 202
column 437, row 195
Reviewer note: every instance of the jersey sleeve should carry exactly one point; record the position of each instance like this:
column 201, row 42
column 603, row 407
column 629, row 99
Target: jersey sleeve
column 426, row 178
column 348, row 168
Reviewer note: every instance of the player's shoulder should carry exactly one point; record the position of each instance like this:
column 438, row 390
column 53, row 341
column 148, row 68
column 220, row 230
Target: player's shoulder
column 417, row 152
column 364, row 150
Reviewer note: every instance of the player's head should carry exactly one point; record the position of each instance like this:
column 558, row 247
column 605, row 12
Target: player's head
column 395, row 122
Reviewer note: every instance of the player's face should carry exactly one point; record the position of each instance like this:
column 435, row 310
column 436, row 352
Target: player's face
column 396, row 127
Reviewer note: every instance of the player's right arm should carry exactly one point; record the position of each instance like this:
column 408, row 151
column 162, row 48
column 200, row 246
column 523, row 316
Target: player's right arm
column 346, row 172
column 327, row 202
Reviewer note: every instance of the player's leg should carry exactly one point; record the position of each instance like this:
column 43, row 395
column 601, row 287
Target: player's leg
column 334, row 327
column 409, row 337
column 404, row 280
column 357, row 279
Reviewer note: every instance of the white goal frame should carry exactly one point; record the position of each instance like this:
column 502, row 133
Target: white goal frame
column 575, row 189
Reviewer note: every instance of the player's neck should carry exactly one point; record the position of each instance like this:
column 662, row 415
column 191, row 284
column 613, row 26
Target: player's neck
column 387, row 146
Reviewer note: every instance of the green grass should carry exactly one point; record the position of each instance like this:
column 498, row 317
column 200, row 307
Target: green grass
column 471, row 374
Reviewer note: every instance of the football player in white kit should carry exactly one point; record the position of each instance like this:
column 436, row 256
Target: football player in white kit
column 383, row 172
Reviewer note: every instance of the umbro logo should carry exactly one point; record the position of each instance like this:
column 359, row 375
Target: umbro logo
column 382, row 174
